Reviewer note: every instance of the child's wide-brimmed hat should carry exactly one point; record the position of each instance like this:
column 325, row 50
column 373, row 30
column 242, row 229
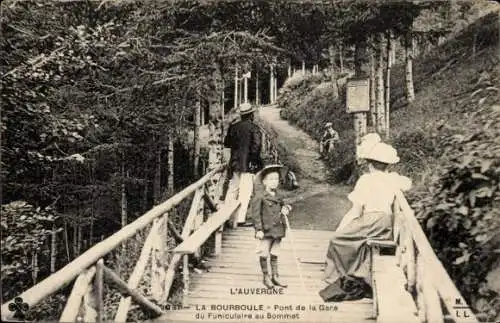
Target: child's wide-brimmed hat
column 246, row 108
column 383, row 153
column 266, row 170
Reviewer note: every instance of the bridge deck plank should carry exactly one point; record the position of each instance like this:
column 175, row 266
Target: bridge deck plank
column 237, row 268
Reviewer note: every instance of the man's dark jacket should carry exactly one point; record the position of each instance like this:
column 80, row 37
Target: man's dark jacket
column 244, row 139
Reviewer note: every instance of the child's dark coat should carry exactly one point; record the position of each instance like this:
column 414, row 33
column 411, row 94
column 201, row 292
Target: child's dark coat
column 265, row 211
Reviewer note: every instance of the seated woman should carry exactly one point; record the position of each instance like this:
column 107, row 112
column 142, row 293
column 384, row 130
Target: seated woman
column 347, row 260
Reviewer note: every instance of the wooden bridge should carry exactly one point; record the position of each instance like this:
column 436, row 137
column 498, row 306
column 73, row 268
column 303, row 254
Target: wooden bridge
column 410, row 285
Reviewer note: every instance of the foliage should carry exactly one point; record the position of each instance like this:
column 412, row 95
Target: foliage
column 29, row 229
column 462, row 202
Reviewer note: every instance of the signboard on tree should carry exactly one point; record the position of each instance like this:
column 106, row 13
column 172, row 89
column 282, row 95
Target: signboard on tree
column 358, row 95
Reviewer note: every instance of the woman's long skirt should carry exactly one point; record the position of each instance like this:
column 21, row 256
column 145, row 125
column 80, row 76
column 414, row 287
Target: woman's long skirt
column 348, row 255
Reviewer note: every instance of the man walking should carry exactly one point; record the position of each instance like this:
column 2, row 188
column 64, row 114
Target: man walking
column 244, row 140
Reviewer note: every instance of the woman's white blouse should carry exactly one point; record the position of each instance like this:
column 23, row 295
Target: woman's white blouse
column 376, row 191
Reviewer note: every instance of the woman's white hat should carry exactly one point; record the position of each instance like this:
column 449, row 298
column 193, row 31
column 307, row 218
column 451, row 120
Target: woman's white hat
column 246, row 108
column 367, row 143
column 384, row 153
column 328, row 124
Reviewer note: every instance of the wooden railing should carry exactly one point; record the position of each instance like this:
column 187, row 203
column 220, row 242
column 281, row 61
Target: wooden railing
column 436, row 297
column 86, row 299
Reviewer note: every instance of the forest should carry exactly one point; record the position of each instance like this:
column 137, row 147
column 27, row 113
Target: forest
column 103, row 101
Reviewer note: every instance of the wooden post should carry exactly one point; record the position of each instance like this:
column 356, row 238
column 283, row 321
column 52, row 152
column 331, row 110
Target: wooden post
column 74, row 301
column 185, row 276
column 421, row 306
column 235, row 87
column 411, row 271
column 359, row 126
column 157, row 259
column 135, row 277
column 99, row 288
column 140, row 299
column 289, row 70
column 303, row 67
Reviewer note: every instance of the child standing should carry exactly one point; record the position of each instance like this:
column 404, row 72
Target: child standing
column 268, row 213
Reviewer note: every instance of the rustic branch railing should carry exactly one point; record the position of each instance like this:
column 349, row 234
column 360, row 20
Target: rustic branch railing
column 436, row 297
column 86, row 298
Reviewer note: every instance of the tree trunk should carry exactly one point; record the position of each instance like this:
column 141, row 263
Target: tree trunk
column 53, row 249
column 271, row 84
column 157, row 179
column 223, row 104
column 257, row 99
column 389, row 62
column 34, row 264
column 215, row 152
column 240, row 100
column 235, row 87
column 80, row 239
column 379, row 70
column 361, row 59
column 333, row 69
column 196, row 144
column 124, row 198
column 245, row 89
column 373, row 96
column 145, row 205
column 341, row 59
column 66, row 241
column 170, row 157
column 410, row 92
column 202, row 115
column 75, row 241
column 275, row 92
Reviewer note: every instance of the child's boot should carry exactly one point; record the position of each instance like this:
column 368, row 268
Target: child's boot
column 266, row 279
column 274, row 267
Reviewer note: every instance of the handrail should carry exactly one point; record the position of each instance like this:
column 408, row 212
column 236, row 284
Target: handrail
column 56, row 281
column 425, row 273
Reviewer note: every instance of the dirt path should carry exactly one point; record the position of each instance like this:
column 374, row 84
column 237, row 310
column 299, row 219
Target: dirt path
column 317, row 205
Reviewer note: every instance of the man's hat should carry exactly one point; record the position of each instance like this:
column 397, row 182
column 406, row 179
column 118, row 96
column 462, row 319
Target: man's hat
column 384, row 153
column 246, row 108
column 266, row 170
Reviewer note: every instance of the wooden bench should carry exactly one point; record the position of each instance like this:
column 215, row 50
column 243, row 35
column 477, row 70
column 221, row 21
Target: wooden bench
column 391, row 301
column 214, row 222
